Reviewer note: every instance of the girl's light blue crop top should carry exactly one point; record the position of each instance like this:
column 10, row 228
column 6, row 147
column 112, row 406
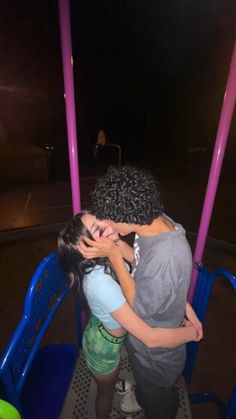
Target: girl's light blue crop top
column 104, row 296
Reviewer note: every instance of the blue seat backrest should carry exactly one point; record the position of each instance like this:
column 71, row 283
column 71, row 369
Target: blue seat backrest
column 200, row 302
column 46, row 291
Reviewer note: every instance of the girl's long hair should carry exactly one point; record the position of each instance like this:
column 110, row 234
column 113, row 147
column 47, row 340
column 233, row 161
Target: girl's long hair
column 72, row 261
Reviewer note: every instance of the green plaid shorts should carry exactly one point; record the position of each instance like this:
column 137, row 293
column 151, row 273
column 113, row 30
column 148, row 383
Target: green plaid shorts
column 101, row 349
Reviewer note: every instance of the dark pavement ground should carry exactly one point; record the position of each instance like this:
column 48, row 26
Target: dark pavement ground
column 36, row 205
column 32, row 214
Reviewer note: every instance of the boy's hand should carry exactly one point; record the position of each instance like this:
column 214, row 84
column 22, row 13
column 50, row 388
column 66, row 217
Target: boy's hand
column 197, row 336
column 102, row 247
column 192, row 317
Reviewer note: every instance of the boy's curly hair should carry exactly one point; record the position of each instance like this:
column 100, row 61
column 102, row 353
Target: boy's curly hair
column 127, row 195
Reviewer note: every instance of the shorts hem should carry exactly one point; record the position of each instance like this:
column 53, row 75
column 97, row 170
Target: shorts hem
column 103, row 373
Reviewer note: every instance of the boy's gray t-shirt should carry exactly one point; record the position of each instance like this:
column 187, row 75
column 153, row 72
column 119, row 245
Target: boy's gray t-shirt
column 162, row 275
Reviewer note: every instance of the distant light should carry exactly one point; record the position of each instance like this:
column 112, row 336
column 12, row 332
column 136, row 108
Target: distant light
column 48, row 147
column 71, row 61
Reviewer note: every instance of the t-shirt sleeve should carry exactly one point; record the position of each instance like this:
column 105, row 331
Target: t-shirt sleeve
column 105, row 291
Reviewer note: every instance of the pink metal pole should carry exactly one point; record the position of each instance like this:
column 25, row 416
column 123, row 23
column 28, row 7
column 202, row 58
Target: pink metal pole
column 67, row 60
column 220, row 144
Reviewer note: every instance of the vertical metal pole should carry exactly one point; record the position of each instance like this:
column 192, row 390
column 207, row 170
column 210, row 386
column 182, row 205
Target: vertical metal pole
column 220, row 144
column 67, row 60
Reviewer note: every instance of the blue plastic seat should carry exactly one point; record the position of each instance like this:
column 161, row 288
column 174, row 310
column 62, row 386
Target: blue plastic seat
column 202, row 294
column 36, row 379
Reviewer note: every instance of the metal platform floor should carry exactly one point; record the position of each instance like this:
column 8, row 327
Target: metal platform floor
column 80, row 400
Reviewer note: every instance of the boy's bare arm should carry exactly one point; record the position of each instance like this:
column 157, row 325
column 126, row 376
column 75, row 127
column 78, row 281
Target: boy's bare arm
column 126, row 250
column 150, row 336
column 126, row 281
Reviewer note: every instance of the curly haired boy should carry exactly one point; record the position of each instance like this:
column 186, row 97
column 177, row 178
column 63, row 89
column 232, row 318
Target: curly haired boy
column 161, row 269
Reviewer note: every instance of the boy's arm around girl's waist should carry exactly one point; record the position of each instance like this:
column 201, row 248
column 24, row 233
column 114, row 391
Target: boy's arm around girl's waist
column 158, row 337
column 153, row 337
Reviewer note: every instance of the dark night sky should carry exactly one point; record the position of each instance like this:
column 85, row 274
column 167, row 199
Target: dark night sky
column 150, row 63
column 143, row 69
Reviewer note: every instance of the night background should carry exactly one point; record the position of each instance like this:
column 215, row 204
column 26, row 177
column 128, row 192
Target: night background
column 150, row 74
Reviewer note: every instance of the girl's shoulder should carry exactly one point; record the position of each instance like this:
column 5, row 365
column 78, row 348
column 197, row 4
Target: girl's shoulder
column 98, row 284
column 97, row 274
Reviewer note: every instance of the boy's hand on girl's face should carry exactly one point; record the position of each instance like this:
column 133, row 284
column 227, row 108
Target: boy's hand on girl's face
column 102, row 247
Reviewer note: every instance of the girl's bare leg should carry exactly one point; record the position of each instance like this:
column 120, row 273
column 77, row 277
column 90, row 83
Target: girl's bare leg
column 105, row 392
